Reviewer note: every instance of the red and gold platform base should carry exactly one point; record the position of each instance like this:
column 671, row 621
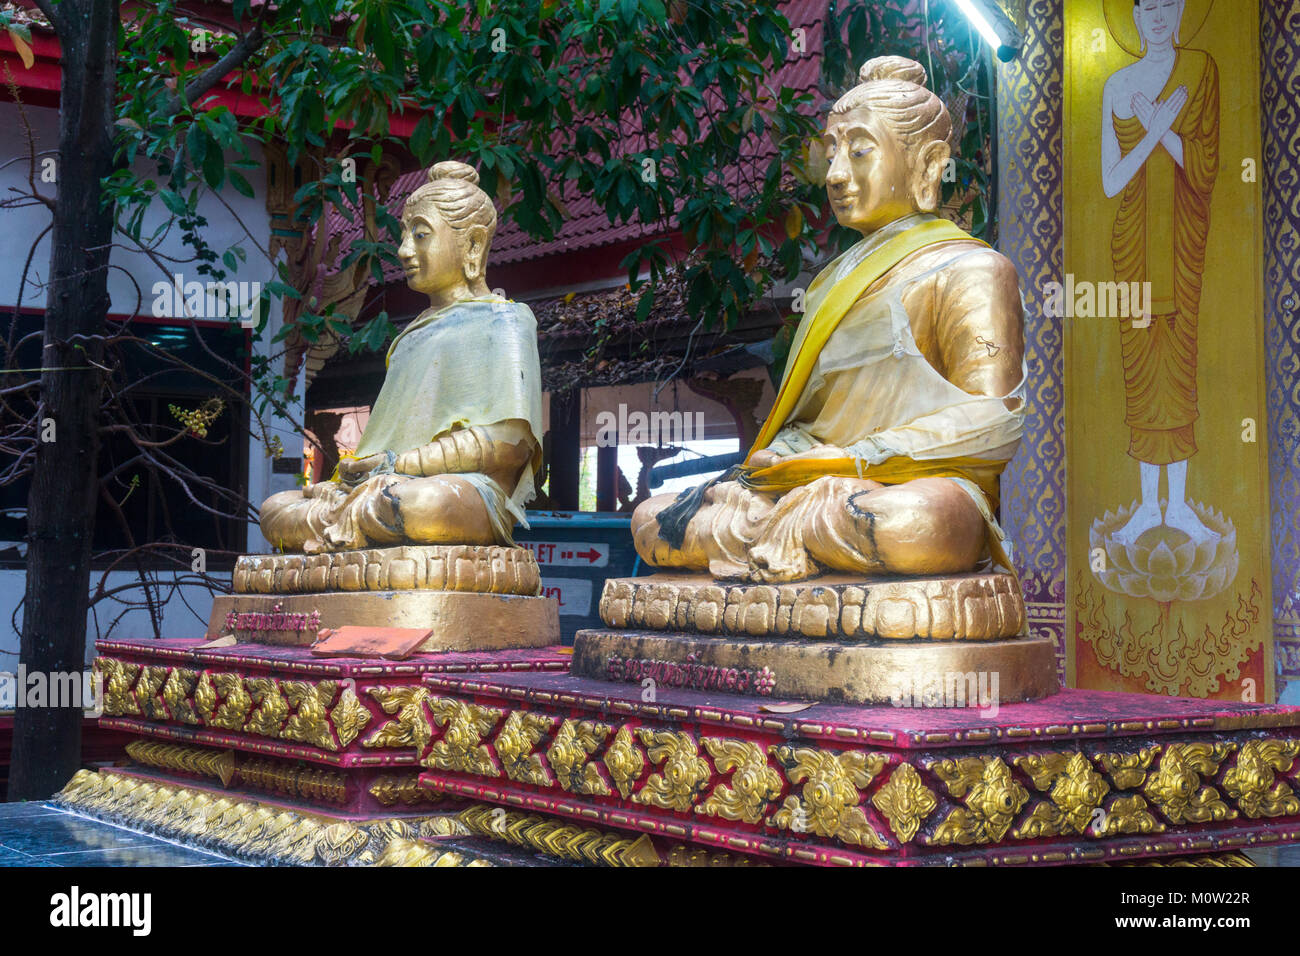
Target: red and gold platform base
column 273, row 755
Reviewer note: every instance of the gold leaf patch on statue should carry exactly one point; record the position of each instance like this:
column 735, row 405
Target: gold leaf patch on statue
column 393, row 643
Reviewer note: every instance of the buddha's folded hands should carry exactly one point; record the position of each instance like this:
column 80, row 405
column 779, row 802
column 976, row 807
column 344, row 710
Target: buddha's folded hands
column 498, row 450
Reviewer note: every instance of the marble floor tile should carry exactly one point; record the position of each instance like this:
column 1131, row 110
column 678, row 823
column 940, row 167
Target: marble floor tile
column 59, row 832
column 153, row 854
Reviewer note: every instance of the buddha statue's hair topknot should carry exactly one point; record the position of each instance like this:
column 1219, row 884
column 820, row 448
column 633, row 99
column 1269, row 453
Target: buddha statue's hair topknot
column 454, row 191
column 893, row 87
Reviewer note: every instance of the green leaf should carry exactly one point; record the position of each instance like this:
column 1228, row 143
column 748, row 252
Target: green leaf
column 241, row 184
column 645, row 304
column 214, row 167
column 174, row 202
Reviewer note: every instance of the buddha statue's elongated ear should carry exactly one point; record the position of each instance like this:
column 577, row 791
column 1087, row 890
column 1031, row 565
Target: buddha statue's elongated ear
column 475, row 250
column 928, row 167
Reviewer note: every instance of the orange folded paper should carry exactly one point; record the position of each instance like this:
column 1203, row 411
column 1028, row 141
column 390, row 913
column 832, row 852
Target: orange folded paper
column 392, row 643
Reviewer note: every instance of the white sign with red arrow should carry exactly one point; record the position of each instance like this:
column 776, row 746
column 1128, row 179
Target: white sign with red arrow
column 568, row 554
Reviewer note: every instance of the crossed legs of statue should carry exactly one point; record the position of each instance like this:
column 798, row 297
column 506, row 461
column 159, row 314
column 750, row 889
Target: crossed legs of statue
column 381, row 511
column 928, row 526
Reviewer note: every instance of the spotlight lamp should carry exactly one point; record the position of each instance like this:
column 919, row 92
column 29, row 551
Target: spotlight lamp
column 994, row 26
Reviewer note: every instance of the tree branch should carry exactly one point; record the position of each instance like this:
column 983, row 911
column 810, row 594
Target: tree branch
column 248, row 45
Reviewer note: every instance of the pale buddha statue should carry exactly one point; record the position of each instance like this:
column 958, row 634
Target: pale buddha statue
column 902, row 397
column 449, row 452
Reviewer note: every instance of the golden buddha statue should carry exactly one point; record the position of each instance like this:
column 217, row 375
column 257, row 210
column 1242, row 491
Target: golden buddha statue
column 449, row 452
column 902, row 398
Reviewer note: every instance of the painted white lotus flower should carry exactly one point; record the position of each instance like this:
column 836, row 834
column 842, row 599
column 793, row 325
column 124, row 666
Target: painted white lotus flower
column 1165, row 564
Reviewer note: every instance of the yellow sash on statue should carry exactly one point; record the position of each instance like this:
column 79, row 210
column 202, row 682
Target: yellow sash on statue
column 790, row 474
column 810, row 337
column 815, row 329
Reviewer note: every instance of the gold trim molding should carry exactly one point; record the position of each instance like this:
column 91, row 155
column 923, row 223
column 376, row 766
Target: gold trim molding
column 249, row 830
column 981, row 606
column 434, row 567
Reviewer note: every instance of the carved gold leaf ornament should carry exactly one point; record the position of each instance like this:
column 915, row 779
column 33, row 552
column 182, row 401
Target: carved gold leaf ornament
column 411, row 726
column 683, row 773
column 349, row 717
column 461, row 747
column 391, row 789
column 752, row 786
column 1176, row 788
column 270, row 707
column 905, row 802
column 232, row 713
column 1251, row 784
column 310, row 721
column 1075, row 788
column 625, row 761
column 119, row 678
column 1128, row 815
column 561, row 839
column 295, row 780
column 196, row 760
column 147, row 687
column 515, row 743
column 829, row 803
column 570, row 756
column 176, row 693
column 992, row 798
column 1128, row 770
column 205, row 698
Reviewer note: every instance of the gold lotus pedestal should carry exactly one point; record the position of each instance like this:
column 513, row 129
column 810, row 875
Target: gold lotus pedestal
column 468, row 597
column 842, row 639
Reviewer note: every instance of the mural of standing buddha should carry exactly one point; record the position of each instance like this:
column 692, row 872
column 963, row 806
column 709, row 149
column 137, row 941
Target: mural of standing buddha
column 902, row 399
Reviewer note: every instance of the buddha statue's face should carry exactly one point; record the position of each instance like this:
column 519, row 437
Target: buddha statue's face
column 873, row 178
column 1158, row 20
column 431, row 252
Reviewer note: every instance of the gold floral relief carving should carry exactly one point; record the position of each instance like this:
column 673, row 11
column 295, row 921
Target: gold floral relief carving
column 905, row 801
column 119, row 678
column 829, row 802
column 205, row 698
column 1176, row 789
column 232, row 713
column 310, row 722
column 683, row 773
column 270, row 707
column 991, row 795
column 1250, row 782
column 461, row 747
column 1127, row 771
column 410, row 728
column 1128, row 815
column 147, row 686
column 570, row 756
column 349, row 717
column 625, row 761
column 1075, row 790
column 176, row 693
column 515, row 743
column 752, row 786
column 394, row 788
